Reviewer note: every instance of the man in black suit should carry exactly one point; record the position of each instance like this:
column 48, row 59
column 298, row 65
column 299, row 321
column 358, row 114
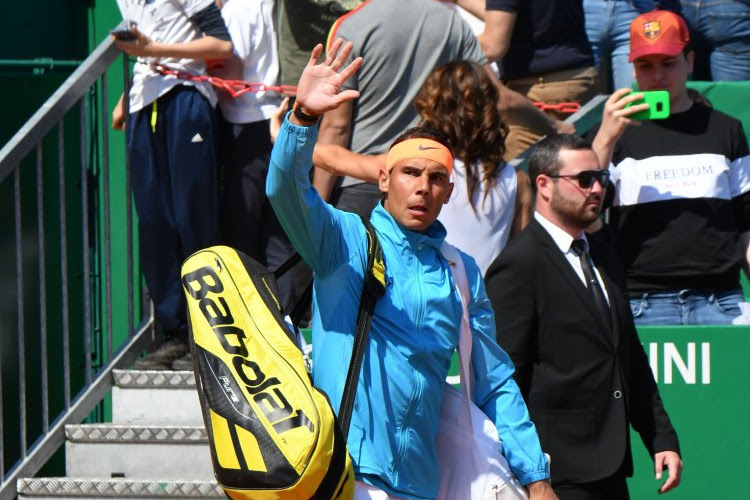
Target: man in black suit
column 569, row 330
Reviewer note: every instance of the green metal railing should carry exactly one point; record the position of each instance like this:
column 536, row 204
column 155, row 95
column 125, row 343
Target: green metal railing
column 77, row 318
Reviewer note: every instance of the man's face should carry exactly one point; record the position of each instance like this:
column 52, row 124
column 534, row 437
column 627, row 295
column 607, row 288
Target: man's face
column 660, row 72
column 416, row 189
column 578, row 207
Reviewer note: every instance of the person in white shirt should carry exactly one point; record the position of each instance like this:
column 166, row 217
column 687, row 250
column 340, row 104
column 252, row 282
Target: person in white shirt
column 248, row 222
column 171, row 142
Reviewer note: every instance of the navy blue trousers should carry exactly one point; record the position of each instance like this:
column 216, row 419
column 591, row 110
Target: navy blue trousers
column 174, row 172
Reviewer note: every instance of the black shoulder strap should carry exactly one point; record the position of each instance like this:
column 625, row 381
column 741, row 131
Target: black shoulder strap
column 372, row 289
column 304, row 299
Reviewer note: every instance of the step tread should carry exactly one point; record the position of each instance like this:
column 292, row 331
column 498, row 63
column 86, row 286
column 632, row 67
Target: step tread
column 109, row 433
column 154, row 379
column 117, row 487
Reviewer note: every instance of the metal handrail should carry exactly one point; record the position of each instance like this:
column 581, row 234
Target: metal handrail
column 52, row 111
column 47, row 444
column 85, row 87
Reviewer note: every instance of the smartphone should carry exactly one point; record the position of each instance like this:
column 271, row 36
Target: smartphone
column 123, row 34
column 658, row 105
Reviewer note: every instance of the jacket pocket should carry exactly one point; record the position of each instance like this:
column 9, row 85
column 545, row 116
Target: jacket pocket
column 569, row 436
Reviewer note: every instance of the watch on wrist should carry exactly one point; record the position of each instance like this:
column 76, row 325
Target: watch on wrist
column 302, row 116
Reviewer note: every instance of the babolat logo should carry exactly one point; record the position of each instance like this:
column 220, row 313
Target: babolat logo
column 204, row 286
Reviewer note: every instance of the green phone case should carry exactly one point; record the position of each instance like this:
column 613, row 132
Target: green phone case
column 658, row 101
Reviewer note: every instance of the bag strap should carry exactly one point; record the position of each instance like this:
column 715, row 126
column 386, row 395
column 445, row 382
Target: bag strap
column 372, row 289
column 303, row 302
column 305, row 298
column 285, row 266
column 453, row 256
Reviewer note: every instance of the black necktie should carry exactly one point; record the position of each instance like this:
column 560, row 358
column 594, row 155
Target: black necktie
column 579, row 248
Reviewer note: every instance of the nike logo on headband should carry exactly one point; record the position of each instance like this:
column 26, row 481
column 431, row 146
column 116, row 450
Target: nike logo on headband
column 425, row 148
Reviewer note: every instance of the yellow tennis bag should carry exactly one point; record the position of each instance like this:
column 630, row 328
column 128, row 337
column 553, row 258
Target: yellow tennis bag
column 272, row 434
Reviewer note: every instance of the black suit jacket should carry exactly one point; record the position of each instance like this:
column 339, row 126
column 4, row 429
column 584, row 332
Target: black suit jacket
column 583, row 383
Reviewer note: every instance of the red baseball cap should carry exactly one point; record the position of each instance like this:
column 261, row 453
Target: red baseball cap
column 657, row 32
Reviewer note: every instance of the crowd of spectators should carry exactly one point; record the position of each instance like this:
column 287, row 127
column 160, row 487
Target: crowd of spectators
column 677, row 190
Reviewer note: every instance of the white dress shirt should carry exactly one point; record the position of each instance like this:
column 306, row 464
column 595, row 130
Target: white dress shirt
column 565, row 241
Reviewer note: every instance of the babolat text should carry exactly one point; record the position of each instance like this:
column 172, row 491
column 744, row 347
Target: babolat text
column 204, row 285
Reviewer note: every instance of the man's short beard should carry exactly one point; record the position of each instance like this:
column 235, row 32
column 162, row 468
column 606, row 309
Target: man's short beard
column 573, row 214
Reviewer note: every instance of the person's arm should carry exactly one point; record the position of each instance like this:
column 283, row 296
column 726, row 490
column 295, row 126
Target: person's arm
column 338, row 160
column 332, row 158
column 118, row 114
column 335, row 128
column 498, row 29
column 745, row 245
column 473, row 7
column 518, row 110
column 316, row 229
column 647, row 414
column 739, row 178
column 650, row 419
column 207, row 47
column 524, row 203
column 742, row 214
column 498, row 395
column 215, row 43
column 510, row 289
column 541, row 490
column 614, row 120
column 277, row 118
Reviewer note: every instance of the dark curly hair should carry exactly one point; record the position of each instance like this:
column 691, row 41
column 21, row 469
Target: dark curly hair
column 460, row 100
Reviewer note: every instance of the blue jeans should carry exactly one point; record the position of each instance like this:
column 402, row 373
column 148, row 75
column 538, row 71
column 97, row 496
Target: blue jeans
column 608, row 31
column 721, row 38
column 686, row 307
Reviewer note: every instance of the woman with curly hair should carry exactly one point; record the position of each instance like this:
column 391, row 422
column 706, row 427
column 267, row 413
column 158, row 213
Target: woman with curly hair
column 491, row 201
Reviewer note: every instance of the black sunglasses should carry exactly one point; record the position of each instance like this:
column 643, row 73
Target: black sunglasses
column 587, row 177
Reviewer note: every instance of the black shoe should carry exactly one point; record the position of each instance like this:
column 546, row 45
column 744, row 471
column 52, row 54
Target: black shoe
column 183, row 364
column 163, row 356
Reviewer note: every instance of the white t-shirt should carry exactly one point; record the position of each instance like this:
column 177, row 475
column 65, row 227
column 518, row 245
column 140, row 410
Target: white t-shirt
column 165, row 21
column 250, row 24
column 485, row 232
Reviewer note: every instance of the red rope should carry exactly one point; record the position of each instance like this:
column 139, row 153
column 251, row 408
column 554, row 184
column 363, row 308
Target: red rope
column 563, row 107
column 234, row 88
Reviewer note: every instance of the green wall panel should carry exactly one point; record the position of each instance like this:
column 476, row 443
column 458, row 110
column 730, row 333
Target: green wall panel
column 702, row 379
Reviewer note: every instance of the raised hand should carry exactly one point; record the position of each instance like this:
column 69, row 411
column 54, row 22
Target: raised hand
column 615, row 117
column 616, row 114
column 319, row 87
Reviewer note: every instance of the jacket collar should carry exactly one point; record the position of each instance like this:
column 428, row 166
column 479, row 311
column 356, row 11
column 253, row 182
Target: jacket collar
column 561, row 238
column 555, row 253
column 406, row 238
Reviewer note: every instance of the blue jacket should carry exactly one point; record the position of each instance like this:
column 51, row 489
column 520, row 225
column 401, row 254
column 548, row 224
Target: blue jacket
column 414, row 333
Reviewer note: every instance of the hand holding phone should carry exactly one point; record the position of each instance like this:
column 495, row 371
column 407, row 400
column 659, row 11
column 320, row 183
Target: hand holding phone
column 124, row 35
column 658, row 105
